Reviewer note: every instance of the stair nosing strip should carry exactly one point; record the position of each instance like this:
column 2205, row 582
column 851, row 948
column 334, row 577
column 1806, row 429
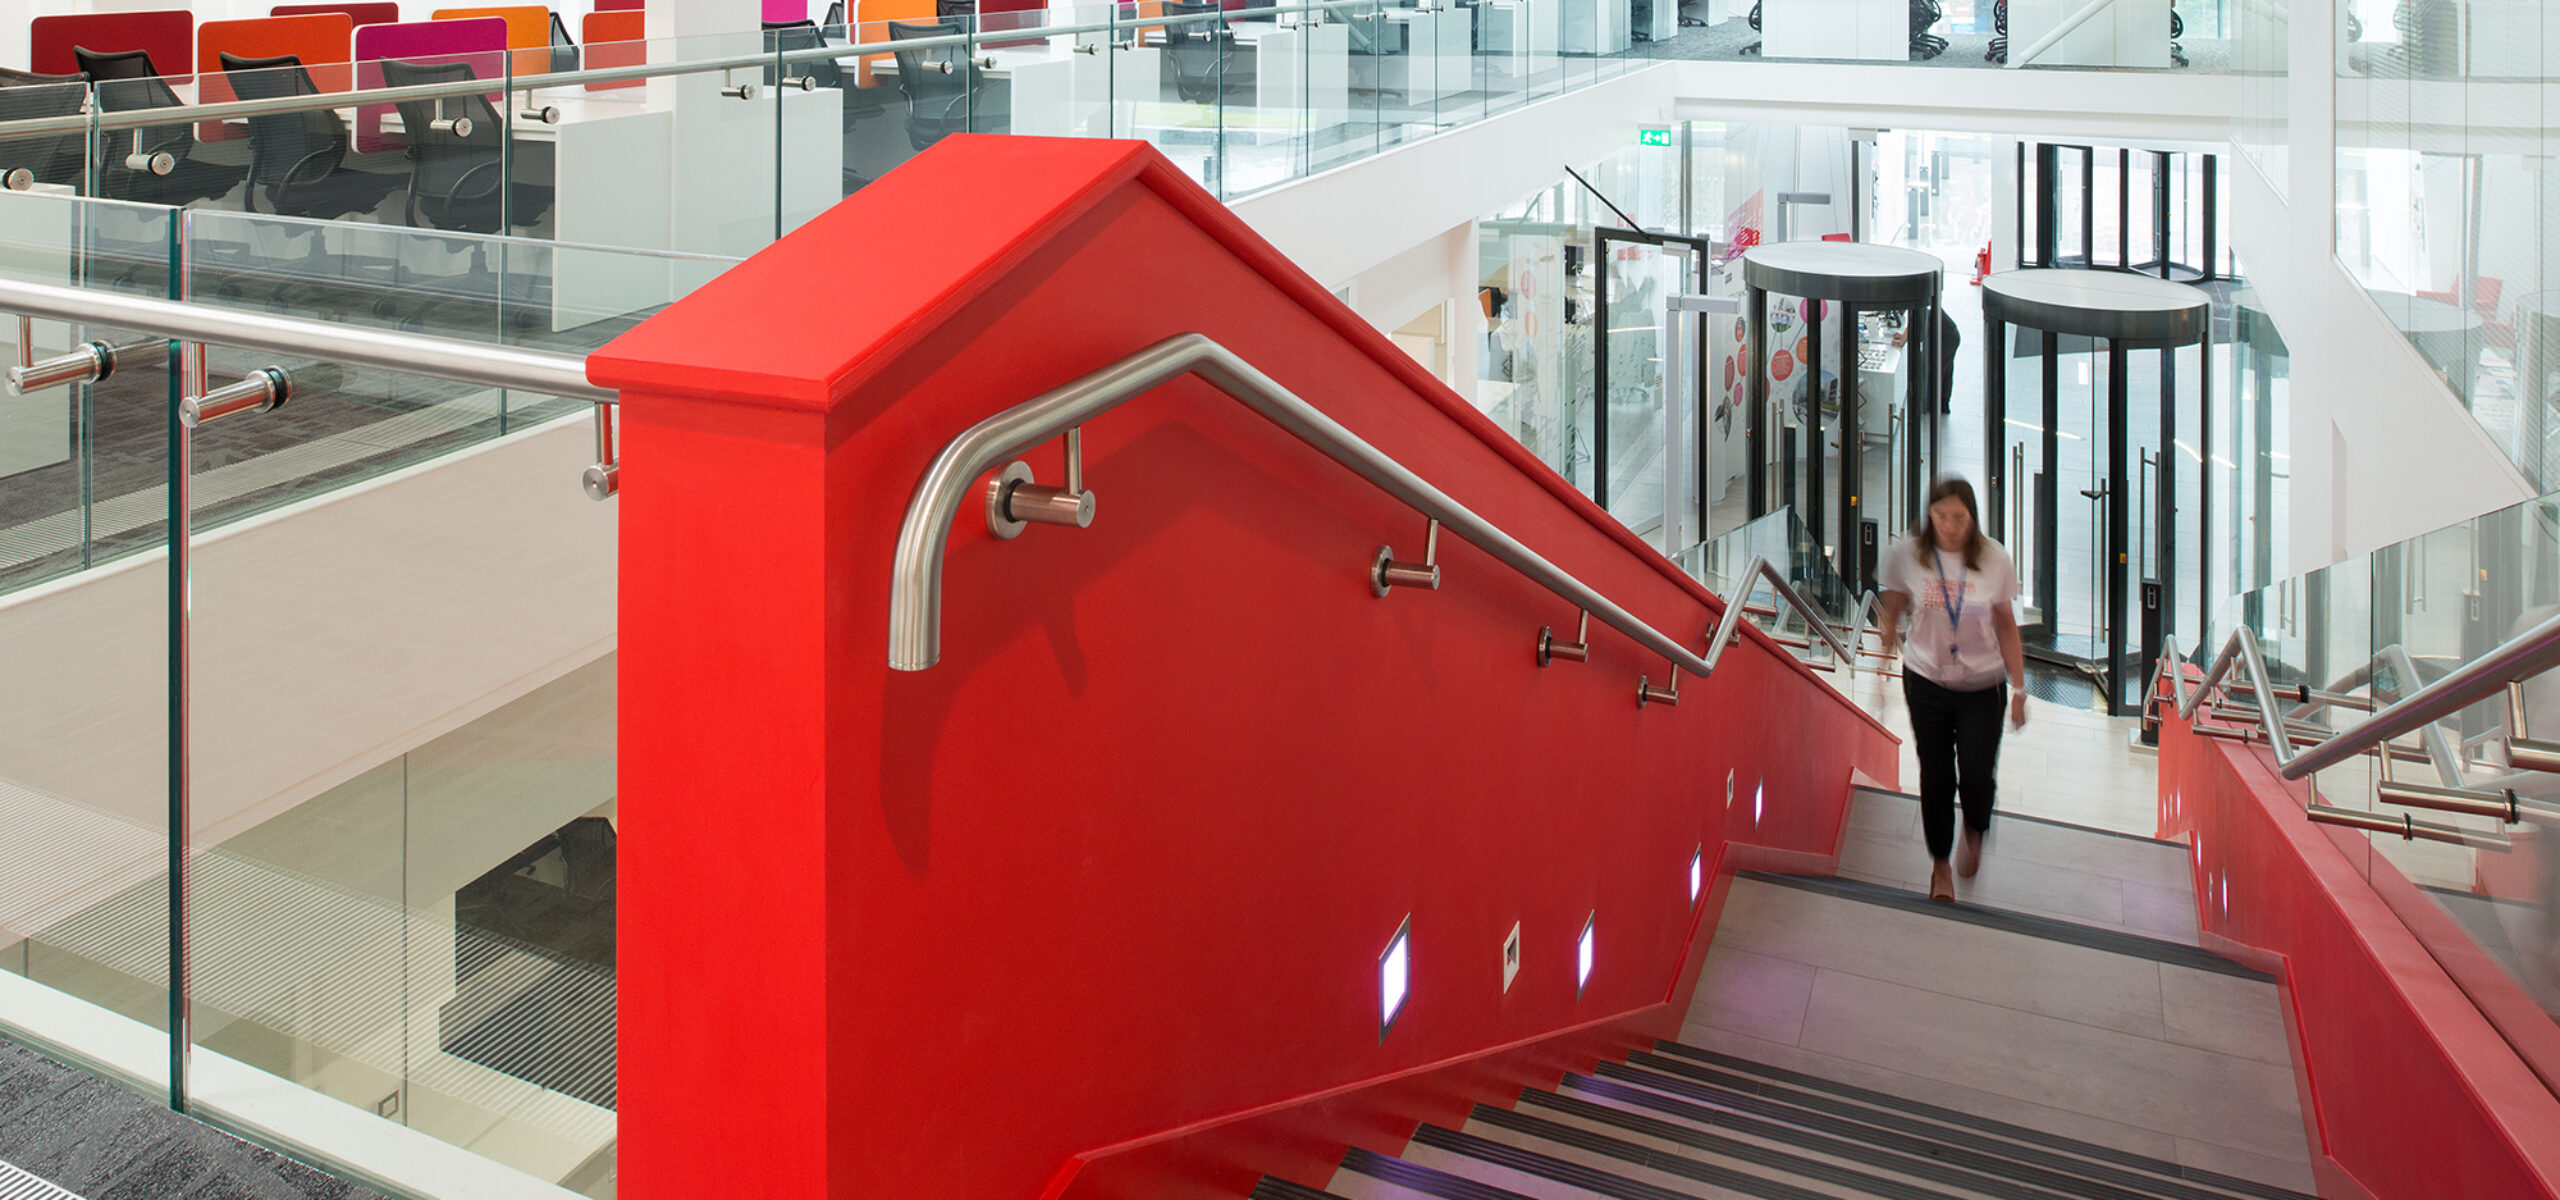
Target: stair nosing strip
column 2051, row 929
column 1676, row 1082
column 1272, row 1187
column 1847, row 1152
column 1880, row 1099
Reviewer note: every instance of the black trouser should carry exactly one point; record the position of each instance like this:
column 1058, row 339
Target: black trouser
column 1958, row 737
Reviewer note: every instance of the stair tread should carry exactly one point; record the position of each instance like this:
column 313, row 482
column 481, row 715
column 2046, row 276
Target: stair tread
column 2094, row 937
column 1762, row 1171
column 1802, row 1081
column 1822, row 1163
column 1883, row 1140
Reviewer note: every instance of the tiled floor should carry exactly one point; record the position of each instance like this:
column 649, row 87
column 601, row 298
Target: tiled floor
column 2158, row 1059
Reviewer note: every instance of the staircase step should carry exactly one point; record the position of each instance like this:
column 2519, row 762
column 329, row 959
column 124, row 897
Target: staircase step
column 1876, row 1138
column 2007, row 815
column 1797, row 1087
column 1737, row 1168
column 1370, row 1176
column 1823, row 1163
column 2112, row 941
column 1273, row 1187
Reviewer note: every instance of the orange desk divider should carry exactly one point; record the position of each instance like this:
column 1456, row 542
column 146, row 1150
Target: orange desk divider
column 528, row 33
column 321, row 40
column 614, row 38
column 168, row 35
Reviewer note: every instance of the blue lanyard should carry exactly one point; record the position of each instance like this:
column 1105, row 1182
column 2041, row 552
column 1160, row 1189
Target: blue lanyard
column 1950, row 597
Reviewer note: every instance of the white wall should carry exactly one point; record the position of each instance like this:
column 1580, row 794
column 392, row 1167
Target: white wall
column 1441, row 272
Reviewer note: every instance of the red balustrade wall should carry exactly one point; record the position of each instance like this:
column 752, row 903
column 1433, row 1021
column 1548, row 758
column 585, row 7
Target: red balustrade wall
column 2410, row 1091
column 1095, row 905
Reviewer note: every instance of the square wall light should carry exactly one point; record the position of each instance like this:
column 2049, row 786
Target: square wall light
column 1582, row 955
column 1394, row 970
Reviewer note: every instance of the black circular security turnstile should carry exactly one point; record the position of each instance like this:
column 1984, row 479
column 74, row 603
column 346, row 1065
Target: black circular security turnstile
column 2078, row 563
column 1809, row 451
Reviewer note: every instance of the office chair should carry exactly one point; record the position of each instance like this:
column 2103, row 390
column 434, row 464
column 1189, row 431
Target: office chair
column 962, row 11
column 1754, row 21
column 835, row 17
column 125, row 81
column 1203, row 57
column 938, row 84
column 564, row 49
column 60, row 158
column 455, row 178
column 1924, row 44
column 2178, row 29
column 298, row 159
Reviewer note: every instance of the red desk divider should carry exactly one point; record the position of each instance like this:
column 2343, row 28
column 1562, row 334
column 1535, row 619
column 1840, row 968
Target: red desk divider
column 621, row 5
column 169, row 35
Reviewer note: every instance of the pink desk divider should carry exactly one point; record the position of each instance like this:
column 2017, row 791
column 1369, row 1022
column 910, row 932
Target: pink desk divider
column 480, row 41
column 786, row 10
column 362, row 12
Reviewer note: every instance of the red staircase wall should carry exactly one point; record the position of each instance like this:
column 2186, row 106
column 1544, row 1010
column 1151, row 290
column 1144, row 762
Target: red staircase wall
column 1095, row 905
column 2409, row 1091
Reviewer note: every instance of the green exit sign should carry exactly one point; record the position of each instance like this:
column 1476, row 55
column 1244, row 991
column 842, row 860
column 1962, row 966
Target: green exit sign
column 1653, row 137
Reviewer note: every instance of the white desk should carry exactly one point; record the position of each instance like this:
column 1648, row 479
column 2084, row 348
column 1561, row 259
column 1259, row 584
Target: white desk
column 2131, row 33
column 1439, row 51
column 1873, row 30
column 1300, row 69
column 1600, row 26
column 1519, row 38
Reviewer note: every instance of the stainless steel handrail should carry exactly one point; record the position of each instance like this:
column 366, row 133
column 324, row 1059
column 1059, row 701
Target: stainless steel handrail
column 138, row 118
column 2527, row 654
column 442, row 358
column 915, row 589
column 1735, row 615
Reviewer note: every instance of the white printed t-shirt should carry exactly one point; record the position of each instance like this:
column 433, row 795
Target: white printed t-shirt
column 1962, row 656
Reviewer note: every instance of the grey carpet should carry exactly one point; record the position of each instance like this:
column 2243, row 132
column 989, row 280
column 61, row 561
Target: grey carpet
column 102, row 1142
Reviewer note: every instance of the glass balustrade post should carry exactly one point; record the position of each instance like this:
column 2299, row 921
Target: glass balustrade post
column 188, row 377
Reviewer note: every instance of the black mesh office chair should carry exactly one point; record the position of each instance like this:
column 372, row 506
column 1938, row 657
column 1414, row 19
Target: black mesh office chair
column 962, row 11
column 1999, row 51
column 48, row 158
column 564, row 49
column 457, row 178
column 1204, row 57
column 936, row 82
column 1924, row 44
column 1754, row 21
column 2178, row 29
column 297, row 160
column 835, row 17
column 156, row 164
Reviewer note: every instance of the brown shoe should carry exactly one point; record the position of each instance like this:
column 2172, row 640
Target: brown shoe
column 1942, row 886
column 1968, row 855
